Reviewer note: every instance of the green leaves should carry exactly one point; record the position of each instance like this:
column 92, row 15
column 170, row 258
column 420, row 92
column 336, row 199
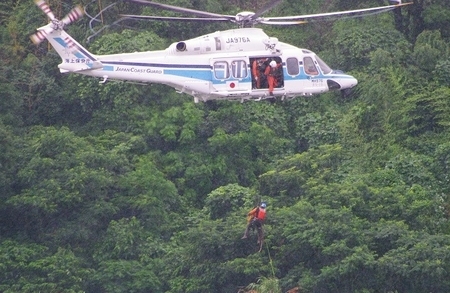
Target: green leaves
column 266, row 285
column 357, row 39
column 130, row 276
column 135, row 42
column 420, row 260
column 126, row 258
column 227, row 199
column 126, row 188
column 429, row 49
column 290, row 178
column 149, row 195
column 33, row 268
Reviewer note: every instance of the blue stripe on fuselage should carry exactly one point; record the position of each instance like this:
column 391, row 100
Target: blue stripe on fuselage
column 181, row 66
column 196, row 74
column 204, row 72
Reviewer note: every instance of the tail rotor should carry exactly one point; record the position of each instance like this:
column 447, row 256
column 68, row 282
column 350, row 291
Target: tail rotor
column 55, row 24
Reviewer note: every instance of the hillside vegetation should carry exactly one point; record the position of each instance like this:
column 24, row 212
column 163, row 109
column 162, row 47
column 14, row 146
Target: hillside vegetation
column 129, row 188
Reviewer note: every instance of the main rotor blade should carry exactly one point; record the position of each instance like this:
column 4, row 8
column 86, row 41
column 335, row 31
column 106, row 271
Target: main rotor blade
column 180, row 9
column 151, row 17
column 288, row 22
column 330, row 15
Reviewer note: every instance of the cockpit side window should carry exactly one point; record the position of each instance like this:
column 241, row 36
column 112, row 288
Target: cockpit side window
column 309, row 66
column 325, row 68
column 221, row 70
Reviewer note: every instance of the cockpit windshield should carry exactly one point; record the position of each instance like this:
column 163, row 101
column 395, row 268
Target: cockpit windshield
column 323, row 66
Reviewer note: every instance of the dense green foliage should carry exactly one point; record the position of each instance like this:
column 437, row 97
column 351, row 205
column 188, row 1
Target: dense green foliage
column 129, row 188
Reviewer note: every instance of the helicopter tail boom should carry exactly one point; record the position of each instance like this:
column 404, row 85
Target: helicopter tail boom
column 74, row 57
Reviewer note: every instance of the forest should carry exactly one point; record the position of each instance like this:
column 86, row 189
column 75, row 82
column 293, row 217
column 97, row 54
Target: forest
column 120, row 187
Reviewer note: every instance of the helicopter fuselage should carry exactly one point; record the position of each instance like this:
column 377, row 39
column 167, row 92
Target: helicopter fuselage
column 224, row 65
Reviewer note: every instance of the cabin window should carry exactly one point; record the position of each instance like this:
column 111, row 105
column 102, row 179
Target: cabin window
column 309, row 66
column 292, row 66
column 221, row 70
column 239, row 69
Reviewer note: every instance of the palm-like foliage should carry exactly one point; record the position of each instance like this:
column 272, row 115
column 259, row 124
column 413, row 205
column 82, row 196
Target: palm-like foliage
column 266, row 285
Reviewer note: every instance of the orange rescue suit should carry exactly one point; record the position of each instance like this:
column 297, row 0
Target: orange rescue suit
column 271, row 73
column 257, row 213
column 255, row 72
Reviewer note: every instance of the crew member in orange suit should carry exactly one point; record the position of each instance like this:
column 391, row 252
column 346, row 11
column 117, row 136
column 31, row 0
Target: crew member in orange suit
column 258, row 72
column 273, row 73
column 255, row 218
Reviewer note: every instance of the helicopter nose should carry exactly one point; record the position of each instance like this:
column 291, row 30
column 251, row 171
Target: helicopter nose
column 348, row 82
column 342, row 82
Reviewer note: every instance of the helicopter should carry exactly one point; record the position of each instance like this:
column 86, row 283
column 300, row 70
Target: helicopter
column 237, row 64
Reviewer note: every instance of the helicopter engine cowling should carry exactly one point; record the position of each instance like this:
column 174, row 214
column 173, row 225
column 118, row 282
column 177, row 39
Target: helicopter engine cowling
column 248, row 39
column 181, row 46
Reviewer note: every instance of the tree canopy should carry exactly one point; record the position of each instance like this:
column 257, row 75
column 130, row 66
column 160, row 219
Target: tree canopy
column 128, row 188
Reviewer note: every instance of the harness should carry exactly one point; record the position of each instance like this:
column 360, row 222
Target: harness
column 260, row 214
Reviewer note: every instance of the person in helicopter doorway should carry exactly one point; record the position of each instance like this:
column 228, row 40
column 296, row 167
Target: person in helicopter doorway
column 273, row 74
column 255, row 218
column 258, row 69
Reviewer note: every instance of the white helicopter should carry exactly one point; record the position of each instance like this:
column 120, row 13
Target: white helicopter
column 237, row 64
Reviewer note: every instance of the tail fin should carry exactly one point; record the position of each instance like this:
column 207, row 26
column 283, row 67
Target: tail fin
column 74, row 56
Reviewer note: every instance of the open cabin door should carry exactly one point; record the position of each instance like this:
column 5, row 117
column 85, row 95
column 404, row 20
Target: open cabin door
column 267, row 73
column 231, row 74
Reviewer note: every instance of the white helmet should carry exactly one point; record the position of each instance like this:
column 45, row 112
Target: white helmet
column 273, row 63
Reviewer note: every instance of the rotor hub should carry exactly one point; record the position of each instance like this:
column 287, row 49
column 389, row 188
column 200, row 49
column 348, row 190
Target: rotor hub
column 57, row 24
column 245, row 19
